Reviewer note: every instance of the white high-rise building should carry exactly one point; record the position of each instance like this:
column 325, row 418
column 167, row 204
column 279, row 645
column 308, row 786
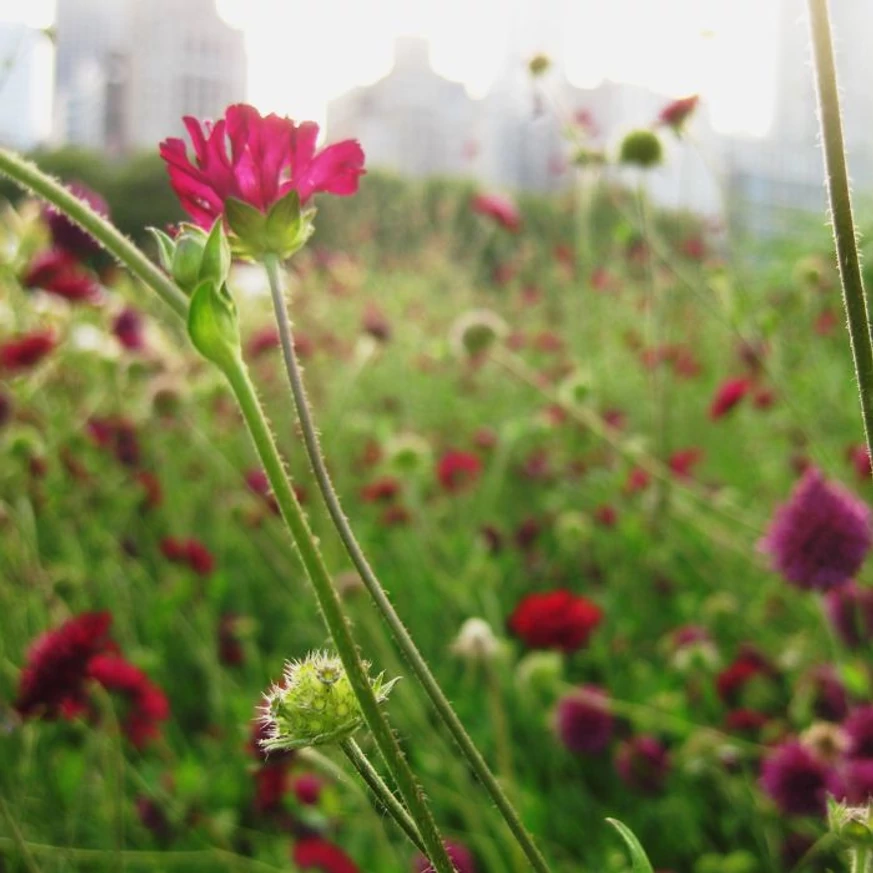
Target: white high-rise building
column 128, row 70
column 25, row 86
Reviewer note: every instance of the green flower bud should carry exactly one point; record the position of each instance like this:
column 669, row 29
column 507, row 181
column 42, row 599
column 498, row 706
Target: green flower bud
column 213, row 325
column 476, row 331
column 853, row 825
column 408, row 452
column 195, row 256
column 642, row 148
column 539, row 64
column 314, row 704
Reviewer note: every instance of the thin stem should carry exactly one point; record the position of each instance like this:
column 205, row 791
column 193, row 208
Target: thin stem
column 836, row 171
column 377, row 592
column 860, row 859
column 29, row 176
column 17, row 841
column 381, row 791
column 334, row 618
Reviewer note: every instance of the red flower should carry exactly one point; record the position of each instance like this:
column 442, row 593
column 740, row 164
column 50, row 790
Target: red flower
column 637, row 480
column 728, row 395
column 500, row 208
column 153, row 494
column 606, row 515
column 52, row 681
column 271, row 786
column 59, row 273
column 314, row 853
column 731, row 681
column 456, row 470
column 147, row 704
column 675, row 114
column 118, row 435
column 257, row 160
column 859, row 457
column 682, row 461
column 381, row 490
column 230, row 650
column 307, row 788
column 128, row 329
column 555, row 620
column 68, row 235
column 26, row 350
column 191, row 552
column 259, row 484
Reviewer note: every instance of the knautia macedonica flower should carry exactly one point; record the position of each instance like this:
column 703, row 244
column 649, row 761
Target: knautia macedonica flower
column 256, row 171
column 821, row 536
column 314, row 704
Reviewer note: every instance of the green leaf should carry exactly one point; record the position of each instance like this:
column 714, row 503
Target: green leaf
column 639, row 858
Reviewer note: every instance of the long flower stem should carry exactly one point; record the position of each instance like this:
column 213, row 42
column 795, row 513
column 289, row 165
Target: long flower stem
column 29, row 176
column 381, row 791
column 377, row 592
column 334, row 618
column 836, row 171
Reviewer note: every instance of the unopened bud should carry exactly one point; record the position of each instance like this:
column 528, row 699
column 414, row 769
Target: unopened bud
column 476, row 641
column 476, row 331
column 641, row 148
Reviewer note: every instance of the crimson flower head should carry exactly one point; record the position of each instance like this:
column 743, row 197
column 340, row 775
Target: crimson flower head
column 129, row 329
column 66, row 234
column 796, row 779
column 52, row 680
column 555, row 620
column 257, row 161
column 674, row 115
column 821, row 536
column 26, row 350
column 315, row 853
column 583, row 721
column 728, row 395
column 57, row 272
column 500, row 208
column 850, row 611
column 457, row 470
column 643, row 764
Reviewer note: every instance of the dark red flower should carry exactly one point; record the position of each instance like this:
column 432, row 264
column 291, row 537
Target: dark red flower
column 53, row 678
column 859, row 457
column 153, row 494
column 314, row 853
column 58, row 272
column 257, row 160
column 684, row 460
column 26, row 350
column 271, row 786
column 381, row 490
column 820, row 538
column 606, row 515
column 555, row 620
column 859, row 729
column 376, row 324
column 500, row 208
column 307, row 788
column 643, row 764
column 728, row 395
column 66, row 234
column 583, row 721
column 118, row 435
column 230, row 650
column 746, row 722
column 637, row 480
column 264, row 340
column 677, row 113
column 795, row 779
column 749, row 665
column 127, row 327
column 259, row 484
column 147, row 705
column 191, row 552
column 457, row 470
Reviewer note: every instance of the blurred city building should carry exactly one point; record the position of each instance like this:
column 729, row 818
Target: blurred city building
column 128, row 70
column 773, row 179
column 413, row 121
column 25, row 86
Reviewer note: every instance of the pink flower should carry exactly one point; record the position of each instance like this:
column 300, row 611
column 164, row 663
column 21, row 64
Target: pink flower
column 500, row 208
column 583, row 721
column 675, row 114
column 795, row 779
column 643, row 764
column 257, row 160
column 728, row 395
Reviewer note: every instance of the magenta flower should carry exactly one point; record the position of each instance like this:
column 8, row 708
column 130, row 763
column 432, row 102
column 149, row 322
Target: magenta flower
column 643, row 764
column 821, row 536
column 796, row 780
column 257, row 160
column 500, row 208
column 65, row 233
column 728, row 395
column 850, row 611
column 859, row 729
column 583, row 721
column 57, row 272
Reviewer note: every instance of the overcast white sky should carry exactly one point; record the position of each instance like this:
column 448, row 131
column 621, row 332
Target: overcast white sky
column 304, row 52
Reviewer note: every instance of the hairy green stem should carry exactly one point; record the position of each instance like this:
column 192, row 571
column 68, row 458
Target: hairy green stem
column 374, row 587
column 29, row 176
column 383, row 794
column 836, row 171
column 334, row 617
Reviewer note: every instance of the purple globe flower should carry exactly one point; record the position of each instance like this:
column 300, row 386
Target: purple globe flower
column 853, row 782
column 859, row 729
column 583, row 721
column 643, row 764
column 820, row 537
column 460, row 856
column 69, row 236
column 850, row 610
column 796, row 780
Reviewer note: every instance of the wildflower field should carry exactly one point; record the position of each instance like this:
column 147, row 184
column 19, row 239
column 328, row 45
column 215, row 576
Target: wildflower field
column 606, row 463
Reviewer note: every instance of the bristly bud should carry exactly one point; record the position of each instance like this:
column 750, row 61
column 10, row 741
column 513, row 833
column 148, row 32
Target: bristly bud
column 641, row 148
column 476, row 641
column 213, row 325
column 853, row 825
column 474, row 332
column 539, row 64
column 314, row 704
column 194, row 255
